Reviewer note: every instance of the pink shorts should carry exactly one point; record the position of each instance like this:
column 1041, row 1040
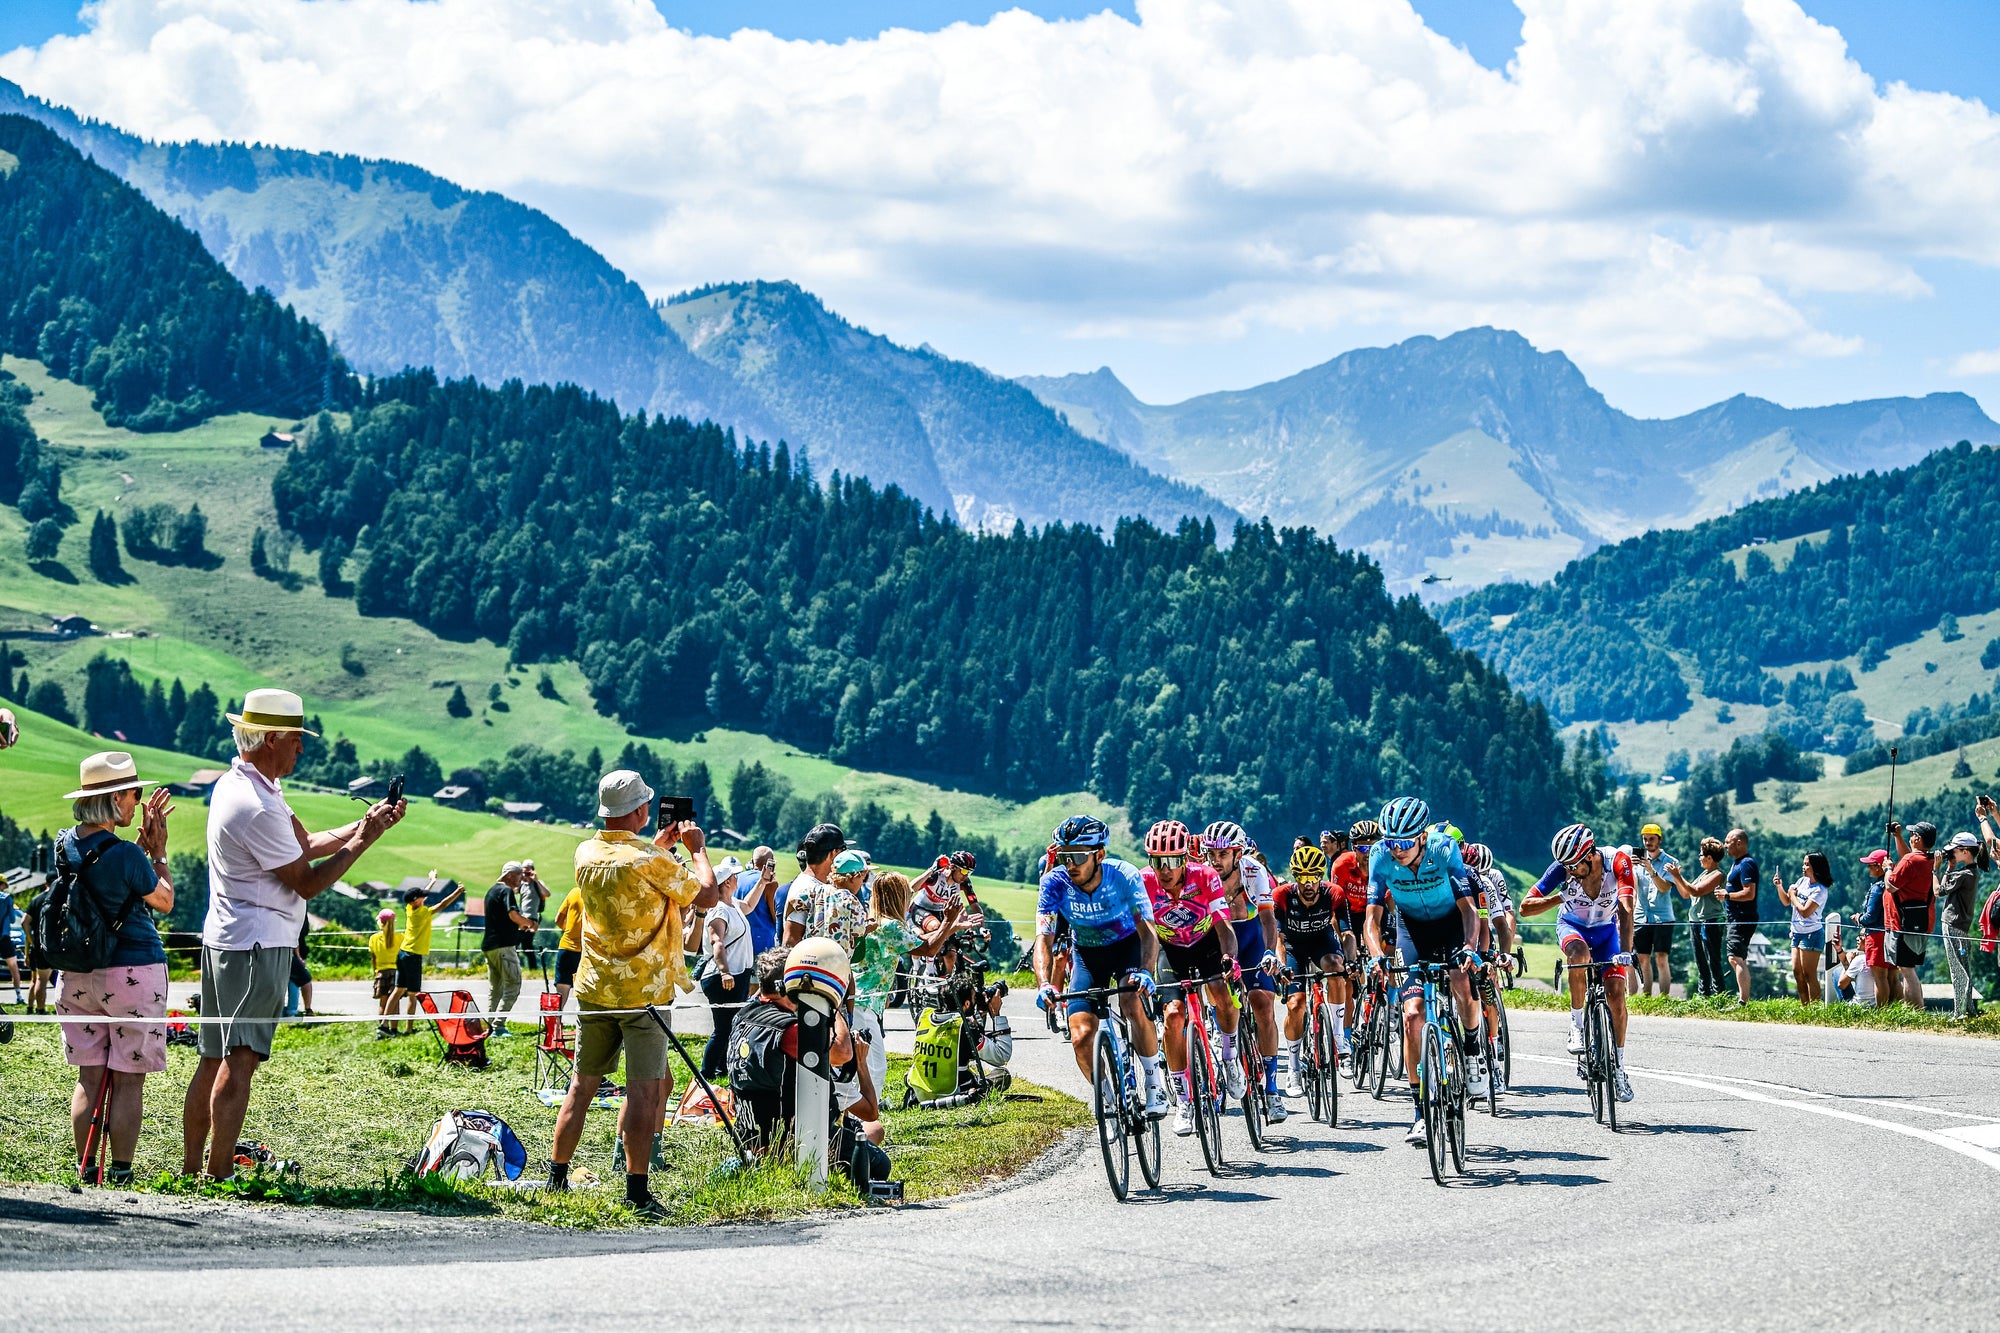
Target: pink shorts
column 116, row 993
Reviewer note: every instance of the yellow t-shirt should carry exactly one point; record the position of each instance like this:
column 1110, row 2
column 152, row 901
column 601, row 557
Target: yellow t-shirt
column 633, row 893
column 417, row 937
column 383, row 949
column 569, row 920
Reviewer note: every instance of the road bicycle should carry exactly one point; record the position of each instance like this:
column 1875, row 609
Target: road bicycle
column 1320, row 1051
column 1255, row 1101
column 1117, row 1089
column 1206, row 1092
column 1599, row 1060
column 1441, row 1071
column 1382, row 1022
column 1498, row 1044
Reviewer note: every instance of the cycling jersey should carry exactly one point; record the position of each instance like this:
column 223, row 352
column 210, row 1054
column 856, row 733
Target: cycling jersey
column 1351, row 875
column 1253, row 889
column 1107, row 914
column 1181, row 920
column 1499, row 901
column 1430, row 889
column 1579, row 909
column 1298, row 917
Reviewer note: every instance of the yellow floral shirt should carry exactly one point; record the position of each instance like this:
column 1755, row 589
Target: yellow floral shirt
column 633, row 893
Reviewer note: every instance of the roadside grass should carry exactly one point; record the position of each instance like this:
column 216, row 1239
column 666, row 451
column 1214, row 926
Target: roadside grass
column 1897, row 1017
column 351, row 1110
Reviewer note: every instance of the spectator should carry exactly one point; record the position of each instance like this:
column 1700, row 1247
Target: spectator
column 1912, row 886
column 420, row 915
column 383, row 947
column 9, row 732
column 1705, row 914
column 1958, row 897
column 1884, row 987
column 1839, row 986
column 816, row 852
column 728, row 975
column 1857, row 979
column 891, row 940
column 764, row 1064
column 831, row 909
column 126, row 879
column 569, row 942
column 1806, row 896
column 634, row 893
column 261, row 874
column 506, row 928
column 7, row 950
column 301, row 979
column 1740, row 902
column 757, row 894
column 1653, row 925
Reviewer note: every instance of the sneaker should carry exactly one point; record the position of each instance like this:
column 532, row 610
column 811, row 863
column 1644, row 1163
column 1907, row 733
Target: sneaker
column 1475, row 1076
column 1621, row 1085
column 1232, row 1079
column 1575, row 1040
column 1156, row 1102
column 1418, row 1135
column 649, row 1208
column 1184, row 1120
column 1276, row 1112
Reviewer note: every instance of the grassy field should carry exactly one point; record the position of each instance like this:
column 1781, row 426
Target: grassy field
column 351, row 1110
column 238, row 631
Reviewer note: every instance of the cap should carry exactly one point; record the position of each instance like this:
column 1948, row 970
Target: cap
column 1653, row 829
column 822, row 841
column 620, row 792
column 849, row 862
column 510, row 868
column 729, row 865
column 1965, row 840
column 386, row 914
column 1875, row 858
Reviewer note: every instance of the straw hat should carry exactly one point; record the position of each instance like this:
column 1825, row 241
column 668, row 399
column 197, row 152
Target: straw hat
column 110, row 771
column 272, row 710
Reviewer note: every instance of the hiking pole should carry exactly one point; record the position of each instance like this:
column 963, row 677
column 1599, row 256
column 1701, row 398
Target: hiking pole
column 1892, row 793
column 728, row 1123
column 93, row 1138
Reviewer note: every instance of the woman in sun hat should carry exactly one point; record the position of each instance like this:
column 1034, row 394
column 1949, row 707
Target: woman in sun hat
column 126, row 879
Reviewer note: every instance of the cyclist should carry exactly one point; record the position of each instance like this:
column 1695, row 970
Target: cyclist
column 1435, row 921
column 1350, row 876
column 1104, row 900
column 1307, row 913
column 1595, row 889
column 1499, row 900
column 1191, row 917
column 1229, row 851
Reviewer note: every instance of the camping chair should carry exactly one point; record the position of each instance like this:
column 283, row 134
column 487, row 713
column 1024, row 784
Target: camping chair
column 555, row 1047
column 460, row 1032
column 695, row 1108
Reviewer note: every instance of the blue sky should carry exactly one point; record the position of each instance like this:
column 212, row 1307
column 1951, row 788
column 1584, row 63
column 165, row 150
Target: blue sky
column 1749, row 288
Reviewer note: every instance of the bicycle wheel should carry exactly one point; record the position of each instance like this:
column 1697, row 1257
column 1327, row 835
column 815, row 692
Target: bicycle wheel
column 1207, row 1109
column 1253, row 1078
column 1431, row 1089
column 1593, row 1064
column 1601, row 1017
column 1454, row 1104
column 1311, row 1072
column 1329, row 1064
column 1108, row 1099
column 1388, row 1041
column 1503, row 1040
column 1146, row 1136
column 1363, row 1048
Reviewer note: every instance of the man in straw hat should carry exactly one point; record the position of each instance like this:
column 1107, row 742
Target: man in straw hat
column 263, row 866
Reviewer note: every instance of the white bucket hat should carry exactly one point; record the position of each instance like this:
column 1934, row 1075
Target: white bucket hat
column 620, row 792
column 110, row 771
column 272, row 710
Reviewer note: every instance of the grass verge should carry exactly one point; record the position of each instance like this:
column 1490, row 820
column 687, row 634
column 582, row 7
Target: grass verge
column 350, row 1110
column 1897, row 1017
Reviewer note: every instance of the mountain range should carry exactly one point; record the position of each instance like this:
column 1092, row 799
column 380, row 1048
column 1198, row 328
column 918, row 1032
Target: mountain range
column 1458, row 461
column 1478, row 457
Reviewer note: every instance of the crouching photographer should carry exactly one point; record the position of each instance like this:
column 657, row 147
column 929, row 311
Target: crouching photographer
column 963, row 1040
column 764, row 1064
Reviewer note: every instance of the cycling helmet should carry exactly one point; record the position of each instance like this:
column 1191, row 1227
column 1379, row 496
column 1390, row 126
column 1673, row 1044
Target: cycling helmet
column 818, row 966
column 1308, row 862
column 1169, row 837
column 1405, row 817
column 1085, row 833
column 1364, row 830
column 1451, row 831
column 1478, row 856
column 1573, row 844
column 1223, row 834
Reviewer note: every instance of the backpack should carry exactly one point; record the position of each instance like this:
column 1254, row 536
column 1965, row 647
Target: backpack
column 463, row 1144
column 69, row 927
column 757, row 1060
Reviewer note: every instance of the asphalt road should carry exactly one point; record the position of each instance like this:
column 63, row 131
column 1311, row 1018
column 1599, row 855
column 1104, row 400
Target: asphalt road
column 1770, row 1177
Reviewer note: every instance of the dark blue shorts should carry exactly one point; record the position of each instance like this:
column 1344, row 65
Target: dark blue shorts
column 1100, row 965
column 1250, row 952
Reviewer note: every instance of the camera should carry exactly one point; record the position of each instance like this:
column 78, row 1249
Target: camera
column 396, row 790
column 676, row 810
column 885, row 1191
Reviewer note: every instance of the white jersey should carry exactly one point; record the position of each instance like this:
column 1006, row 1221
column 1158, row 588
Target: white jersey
column 1253, row 887
column 1499, row 902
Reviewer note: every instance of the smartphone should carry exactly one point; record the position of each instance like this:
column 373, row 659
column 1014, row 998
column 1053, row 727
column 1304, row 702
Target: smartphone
column 396, row 790
column 675, row 810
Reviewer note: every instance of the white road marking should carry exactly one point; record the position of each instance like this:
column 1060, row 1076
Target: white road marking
column 1836, row 1097
column 1958, row 1145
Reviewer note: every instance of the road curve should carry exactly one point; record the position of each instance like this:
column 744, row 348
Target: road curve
column 1770, row 1177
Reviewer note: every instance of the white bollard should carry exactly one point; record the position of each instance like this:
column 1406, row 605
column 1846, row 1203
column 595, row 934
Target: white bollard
column 810, row 1112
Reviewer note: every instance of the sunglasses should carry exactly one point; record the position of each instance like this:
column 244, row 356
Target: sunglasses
column 1398, row 844
column 1167, row 862
column 1072, row 858
column 1308, row 881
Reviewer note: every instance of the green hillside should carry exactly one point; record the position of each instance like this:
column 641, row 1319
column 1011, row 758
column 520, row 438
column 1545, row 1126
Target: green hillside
column 237, row 631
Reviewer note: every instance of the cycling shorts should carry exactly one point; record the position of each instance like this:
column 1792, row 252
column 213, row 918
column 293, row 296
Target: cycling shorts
column 1100, row 965
column 1602, row 938
column 1203, row 958
column 1250, row 952
column 1423, row 941
column 1305, row 951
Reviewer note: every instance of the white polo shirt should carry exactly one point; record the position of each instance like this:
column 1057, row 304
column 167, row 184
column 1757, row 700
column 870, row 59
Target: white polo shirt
column 250, row 834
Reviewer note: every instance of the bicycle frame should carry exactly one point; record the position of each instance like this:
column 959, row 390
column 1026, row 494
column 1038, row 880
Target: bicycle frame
column 1119, row 1124
column 1440, row 1074
column 1600, row 1055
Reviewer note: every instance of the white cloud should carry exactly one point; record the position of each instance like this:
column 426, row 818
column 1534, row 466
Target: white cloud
column 1654, row 184
column 1978, row 363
